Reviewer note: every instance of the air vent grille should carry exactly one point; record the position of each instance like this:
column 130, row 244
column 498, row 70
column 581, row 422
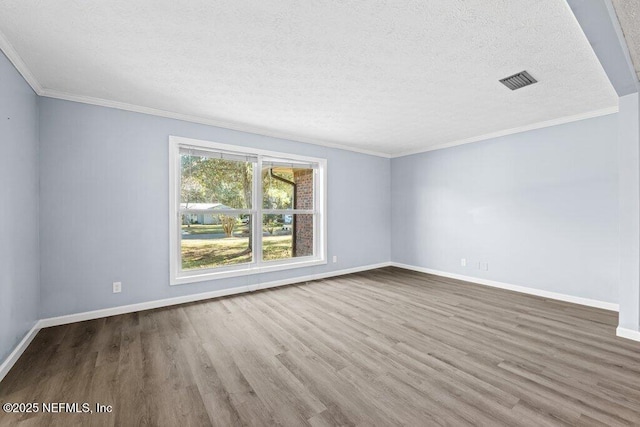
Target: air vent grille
column 518, row 81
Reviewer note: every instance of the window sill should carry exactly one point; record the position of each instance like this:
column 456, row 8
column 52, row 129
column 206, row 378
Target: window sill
column 192, row 277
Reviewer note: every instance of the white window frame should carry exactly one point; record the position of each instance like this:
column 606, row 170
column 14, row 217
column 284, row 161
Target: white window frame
column 257, row 265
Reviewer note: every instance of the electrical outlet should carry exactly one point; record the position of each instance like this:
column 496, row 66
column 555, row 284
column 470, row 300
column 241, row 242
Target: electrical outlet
column 335, row 258
column 484, row 266
column 117, row 287
column 463, row 262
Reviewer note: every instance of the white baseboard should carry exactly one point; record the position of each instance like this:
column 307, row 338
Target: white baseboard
column 628, row 333
column 113, row 311
column 96, row 314
column 8, row 363
column 522, row 289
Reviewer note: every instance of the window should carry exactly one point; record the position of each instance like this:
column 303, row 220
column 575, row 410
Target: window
column 237, row 211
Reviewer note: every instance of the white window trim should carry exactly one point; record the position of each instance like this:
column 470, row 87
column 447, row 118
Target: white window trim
column 179, row 277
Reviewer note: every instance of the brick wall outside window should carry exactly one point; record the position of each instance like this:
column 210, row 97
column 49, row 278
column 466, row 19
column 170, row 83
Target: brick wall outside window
column 304, row 223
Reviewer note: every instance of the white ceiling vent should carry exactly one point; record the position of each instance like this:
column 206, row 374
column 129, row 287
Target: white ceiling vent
column 518, row 80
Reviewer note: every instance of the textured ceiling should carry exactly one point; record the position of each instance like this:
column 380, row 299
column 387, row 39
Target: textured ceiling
column 628, row 12
column 387, row 76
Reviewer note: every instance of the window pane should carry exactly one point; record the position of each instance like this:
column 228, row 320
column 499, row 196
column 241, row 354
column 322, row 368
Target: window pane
column 211, row 183
column 286, row 187
column 210, row 241
column 287, row 236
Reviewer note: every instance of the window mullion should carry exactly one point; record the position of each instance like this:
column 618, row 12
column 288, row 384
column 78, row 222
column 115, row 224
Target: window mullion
column 257, row 208
column 231, row 212
column 289, row 211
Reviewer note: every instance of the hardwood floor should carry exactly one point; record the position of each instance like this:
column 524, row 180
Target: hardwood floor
column 384, row 347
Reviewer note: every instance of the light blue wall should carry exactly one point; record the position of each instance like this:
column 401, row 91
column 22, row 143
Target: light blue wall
column 600, row 24
column 19, row 254
column 629, row 178
column 541, row 207
column 105, row 199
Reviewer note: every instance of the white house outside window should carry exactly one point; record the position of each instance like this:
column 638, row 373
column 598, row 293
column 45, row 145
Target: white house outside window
column 236, row 210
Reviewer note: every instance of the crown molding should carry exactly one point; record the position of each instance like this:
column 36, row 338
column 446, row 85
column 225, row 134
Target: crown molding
column 22, row 68
column 520, row 129
column 202, row 120
column 17, row 62
column 282, row 135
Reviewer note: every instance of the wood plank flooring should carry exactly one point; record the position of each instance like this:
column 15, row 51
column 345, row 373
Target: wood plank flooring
column 384, row 347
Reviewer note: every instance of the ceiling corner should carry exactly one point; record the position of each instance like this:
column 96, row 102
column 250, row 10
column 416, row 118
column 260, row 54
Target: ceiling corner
column 17, row 62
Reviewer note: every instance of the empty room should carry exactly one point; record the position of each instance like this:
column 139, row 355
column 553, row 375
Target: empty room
column 321, row 213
